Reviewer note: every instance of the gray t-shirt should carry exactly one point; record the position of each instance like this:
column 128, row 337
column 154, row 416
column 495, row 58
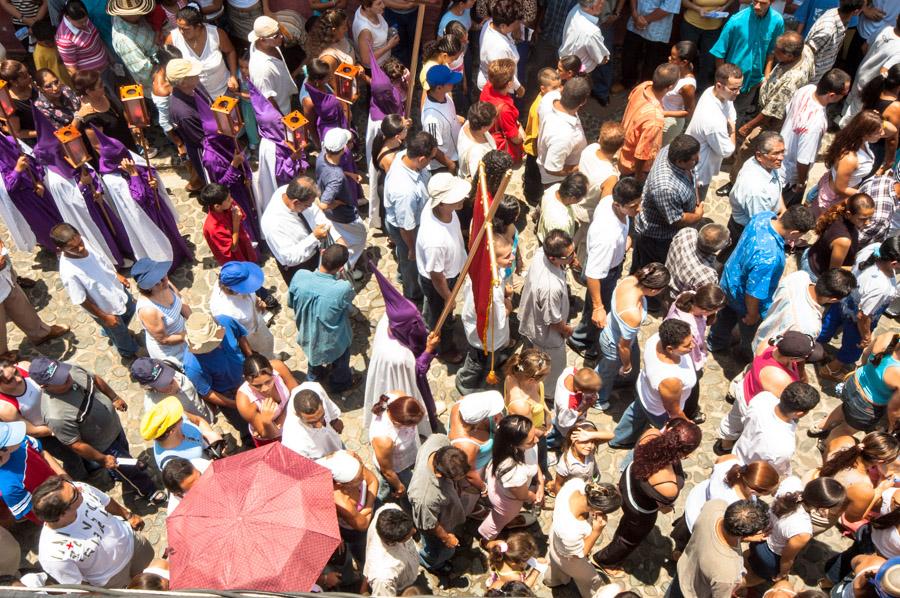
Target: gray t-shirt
column 709, row 568
column 99, row 425
column 434, row 500
column 187, row 395
column 545, row 301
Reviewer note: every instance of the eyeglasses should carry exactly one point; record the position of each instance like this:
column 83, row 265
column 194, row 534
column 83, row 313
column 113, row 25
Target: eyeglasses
column 76, row 494
column 50, row 84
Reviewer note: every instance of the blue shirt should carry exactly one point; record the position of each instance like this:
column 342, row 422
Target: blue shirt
column 405, row 194
column 335, row 186
column 189, row 448
column 13, row 476
column 746, row 40
column 811, row 10
column 321, row 305
column 657, row 31
column 222, row 368
column 755, row 266
column 465, row 18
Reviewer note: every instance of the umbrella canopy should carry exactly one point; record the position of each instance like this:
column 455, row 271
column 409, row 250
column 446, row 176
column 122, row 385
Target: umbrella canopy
column 261, row 520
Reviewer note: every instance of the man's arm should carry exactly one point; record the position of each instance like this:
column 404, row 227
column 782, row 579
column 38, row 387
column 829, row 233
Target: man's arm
column 670, row 394
column 440, row 284
column 83, row 449
column 752, row 305
column 409, row 237
column 117, row 401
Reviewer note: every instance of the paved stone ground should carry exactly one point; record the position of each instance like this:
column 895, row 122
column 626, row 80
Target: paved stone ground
column 649, row 567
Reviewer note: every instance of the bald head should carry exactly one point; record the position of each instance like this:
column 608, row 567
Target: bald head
column 789, row 46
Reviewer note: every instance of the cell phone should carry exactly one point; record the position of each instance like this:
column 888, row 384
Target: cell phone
column 127, row 462
column 717, row 14
column 21, row 33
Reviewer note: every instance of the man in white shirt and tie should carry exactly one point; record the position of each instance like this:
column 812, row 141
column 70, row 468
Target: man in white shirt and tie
column 582, row 36
column 294, row 227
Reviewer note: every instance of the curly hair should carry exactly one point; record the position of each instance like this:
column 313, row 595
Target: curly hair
column 679, row 439
column 851, row 206
column 323, row 30
column 851, row 138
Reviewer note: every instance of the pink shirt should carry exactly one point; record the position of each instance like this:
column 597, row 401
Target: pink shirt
column 81, row 49
column 257, row 399
column 753, row 385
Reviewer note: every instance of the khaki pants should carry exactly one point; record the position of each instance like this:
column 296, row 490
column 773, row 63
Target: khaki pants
column 143, row 554
column 10, row 554
column 565, row 568
column 18, row 308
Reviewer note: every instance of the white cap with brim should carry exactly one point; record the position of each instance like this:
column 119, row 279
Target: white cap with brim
column 11, row 433
column 263, row 27
column 446, row 188
column 336, row 140
column 179, row 69
column 344, row 466
column 479, row 406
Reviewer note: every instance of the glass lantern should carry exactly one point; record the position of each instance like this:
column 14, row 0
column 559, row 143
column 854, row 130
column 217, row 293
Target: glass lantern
column 228, row 115
column 136, row 114
column 296, row 129
column 345, row 82
column 73, row 145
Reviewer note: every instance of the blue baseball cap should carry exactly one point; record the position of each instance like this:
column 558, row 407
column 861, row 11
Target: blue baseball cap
column 48, row 372
column 11, row 433
column 241, row 277
column 440, row 74
column 147, row 273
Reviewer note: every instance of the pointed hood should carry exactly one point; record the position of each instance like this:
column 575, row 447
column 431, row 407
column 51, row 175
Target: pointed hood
column 223, row 145
column 111, row 152
column 48, row 150
column 404, row 320
column 9, row 153
column 268, row 119
column 386, row 98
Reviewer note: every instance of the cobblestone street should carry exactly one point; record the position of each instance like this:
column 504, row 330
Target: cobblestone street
column 649, row 566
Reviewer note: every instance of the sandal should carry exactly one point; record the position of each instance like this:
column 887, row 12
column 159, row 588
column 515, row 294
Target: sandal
column 699, row 418
column 825, row 371
column 720, row 450
column 816, row 432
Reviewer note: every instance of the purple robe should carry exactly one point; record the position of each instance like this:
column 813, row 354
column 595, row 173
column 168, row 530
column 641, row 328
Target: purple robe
column 270, row 126
column 386, row 97
column 39, row 211
column 330, row 115
column 116, row 237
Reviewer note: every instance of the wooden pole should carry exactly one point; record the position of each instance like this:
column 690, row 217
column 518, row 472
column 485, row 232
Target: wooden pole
column 417, row 40
column 149, row 174
column 101, row 204
column 451, row 302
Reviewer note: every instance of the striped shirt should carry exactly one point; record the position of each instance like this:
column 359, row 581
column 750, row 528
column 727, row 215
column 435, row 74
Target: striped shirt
column 81, row 49
column 27, row 8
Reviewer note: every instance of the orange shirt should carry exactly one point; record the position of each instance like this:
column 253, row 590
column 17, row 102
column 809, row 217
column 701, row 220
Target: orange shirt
column 643, row 122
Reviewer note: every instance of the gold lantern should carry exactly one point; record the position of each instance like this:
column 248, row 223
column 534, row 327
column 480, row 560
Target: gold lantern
column 6, row 102
column 136, row 114
column 228, row 115
column 73, row 145
column 345, row 82
column 296, row 130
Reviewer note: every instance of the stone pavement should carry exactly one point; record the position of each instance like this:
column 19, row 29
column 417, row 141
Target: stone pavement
column 649, row 567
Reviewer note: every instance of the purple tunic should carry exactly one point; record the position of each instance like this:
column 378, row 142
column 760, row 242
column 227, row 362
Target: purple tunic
column 158, row 211
column 39, row 211
column 270, row 126
column 116, row 238
column 217, row 162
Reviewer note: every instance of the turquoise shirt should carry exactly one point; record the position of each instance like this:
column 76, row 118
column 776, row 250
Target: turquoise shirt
column 321, row 305
column 746, row 40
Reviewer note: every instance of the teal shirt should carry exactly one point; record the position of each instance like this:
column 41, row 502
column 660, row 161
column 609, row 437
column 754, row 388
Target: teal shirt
column 746, row 40
column 321, row 305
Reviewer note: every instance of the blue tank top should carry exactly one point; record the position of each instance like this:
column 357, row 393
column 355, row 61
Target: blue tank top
column 871, row 380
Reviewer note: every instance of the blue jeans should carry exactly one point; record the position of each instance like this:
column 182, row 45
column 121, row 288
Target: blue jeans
column 339, row 377
column 434, row 553
column 633, row 423
column 834, row 320
column 405, row 24
column 602, row 76
column 719, row 337
column 838, row 566
column 406, row 268
column 586, row 333
column 119, row 335
column 608, row 368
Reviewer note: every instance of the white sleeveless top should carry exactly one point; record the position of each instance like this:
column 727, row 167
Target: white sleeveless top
column 655, row 371
column 673, row 100
column 887, row 541
column 714, row 487
column 214, row 75
column 865, row 160
column 173, row 322
column 406, row 441
column 378, row 30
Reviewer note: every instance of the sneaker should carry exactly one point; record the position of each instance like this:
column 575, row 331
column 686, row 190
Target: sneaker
column 272, row 303
column 601, row 405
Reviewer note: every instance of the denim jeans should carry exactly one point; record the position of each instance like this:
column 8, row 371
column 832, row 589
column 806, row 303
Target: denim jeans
column 836, row 320
column 339, row 376
column 719, row 337
column 406, row 268
column 633, row 423
column 405, row 24
column 602, row 76
column 608, row 368
column 674, row 590
column 838, row 566
column 119, row 335
column 138, row 477
column 433, row 553
column 586, row 333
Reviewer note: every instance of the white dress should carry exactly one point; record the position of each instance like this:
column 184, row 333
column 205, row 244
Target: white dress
column 392, row 367
column 146, row 239
column 21, row 233
column 264, row 180
column 73, row 209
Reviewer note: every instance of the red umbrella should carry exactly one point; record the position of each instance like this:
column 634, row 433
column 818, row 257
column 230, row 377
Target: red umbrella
column 261, row 520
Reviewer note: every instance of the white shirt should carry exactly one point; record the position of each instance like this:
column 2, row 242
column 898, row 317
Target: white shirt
column 782, row 529
column 439, row 246
column 312, row 443
column 200, row 465
column 378, row 30
column 405, row 440
column 272, row 77
column 709, row 126
column 804, row 125
column 389, row 568
column 405, row 194
column 654, row 371
column 606, row 240
column 567, row 532
column 564, row 416
column 494, row 46
column 755, row 190
column 582, row 38
column 546, row 105
column 288, row 239
column 471, row 152
column 793, row 308
column 874, row 290
column 560, row 143
column 90, row 550
column 439, row 119
column 498, row 313
column 766, row 437
column 712, row 488
column 93, row 277
column 241, row 308
column 597, row 172
column 6, row 280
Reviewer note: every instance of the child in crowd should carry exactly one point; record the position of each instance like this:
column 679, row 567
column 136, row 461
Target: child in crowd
column 513, row 559
column 549, row 80
column 225, row 227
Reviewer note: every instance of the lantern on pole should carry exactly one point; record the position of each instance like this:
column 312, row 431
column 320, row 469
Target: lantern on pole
column 136, row 114
column 296, row 130
column 73, row 145
column 345, row 82
column 228, row 115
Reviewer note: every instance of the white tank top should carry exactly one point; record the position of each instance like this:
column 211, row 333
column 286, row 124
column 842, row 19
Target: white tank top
column 674, row 100
column 887, row 541
column 378, row 30
column 173, row 323
column 214, row 75
column 655, row 371
column 406, row 441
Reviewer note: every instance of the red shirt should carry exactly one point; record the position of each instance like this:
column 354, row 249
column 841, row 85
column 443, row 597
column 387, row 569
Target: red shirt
column 217, row 232
column 506, row 126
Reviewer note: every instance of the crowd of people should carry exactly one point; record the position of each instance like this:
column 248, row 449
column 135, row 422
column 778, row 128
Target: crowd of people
column 751, row 89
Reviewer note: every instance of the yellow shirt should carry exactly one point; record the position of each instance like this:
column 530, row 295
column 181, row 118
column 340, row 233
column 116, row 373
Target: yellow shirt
column 538, row 409
column 424, row 72
column 532, row 126
column 46, row 57
column 693, row 17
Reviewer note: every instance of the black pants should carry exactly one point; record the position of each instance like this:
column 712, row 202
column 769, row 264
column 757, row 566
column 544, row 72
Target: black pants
column 239, row 423
column 432, row 307
column 643, row 56
column 791, row 197
column 692, row 404
column 287, row 272
column 681, row 535
column 531, row 181
column 471, row 376
column 80, row 468
column 648, row 250
column 634, row 526
column 735, row 231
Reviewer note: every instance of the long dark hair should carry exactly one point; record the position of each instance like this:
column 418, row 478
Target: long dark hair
column 875, row 446
column 512, row 431
column 679, row 439
column 391, row 126
column 871, row 91
column 820, row 493
column 889, row 251
column 888, row 520
column 851, row 138
column 708, row 296
column 851, row 206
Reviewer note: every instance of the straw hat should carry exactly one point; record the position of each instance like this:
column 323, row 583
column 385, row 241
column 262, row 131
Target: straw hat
column 202, row 332
column 129, row 8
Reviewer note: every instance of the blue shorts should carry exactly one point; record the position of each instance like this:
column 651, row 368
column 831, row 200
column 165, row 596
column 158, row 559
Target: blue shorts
column 762, row 561
column 859, row 412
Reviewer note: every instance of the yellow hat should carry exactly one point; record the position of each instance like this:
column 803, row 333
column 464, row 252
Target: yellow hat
column 163, row 416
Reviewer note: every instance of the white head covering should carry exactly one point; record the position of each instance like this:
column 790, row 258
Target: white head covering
column 344, row 466
column 480, row 405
